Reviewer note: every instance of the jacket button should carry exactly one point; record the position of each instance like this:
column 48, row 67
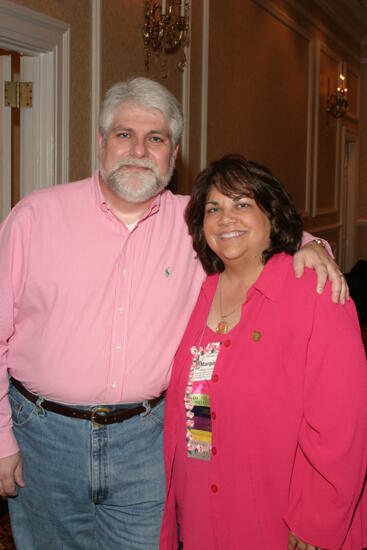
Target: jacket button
column 213, row 415
column 214, row 450
column 214, row 489
column 215, row 378
column 227, row 343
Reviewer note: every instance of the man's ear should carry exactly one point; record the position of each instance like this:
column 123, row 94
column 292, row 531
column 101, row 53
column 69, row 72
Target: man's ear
column 175, row 152
column 100, row 139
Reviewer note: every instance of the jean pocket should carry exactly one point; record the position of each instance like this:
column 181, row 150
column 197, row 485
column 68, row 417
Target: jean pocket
column 22, row 409
column 156, row 415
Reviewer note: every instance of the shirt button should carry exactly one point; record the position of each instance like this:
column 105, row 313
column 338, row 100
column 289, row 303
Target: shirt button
column 213, row 415
column 118, row 347
column 214, row 489
column 121, row 309
column 214, row 450
column 124, row 271
column 215, row 378
column 226, row 343
column 114, row 385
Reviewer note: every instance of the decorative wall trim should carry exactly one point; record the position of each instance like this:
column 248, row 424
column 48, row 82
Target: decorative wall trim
column 63, row 108
column 186, row 87
column 308, row 167
column 324, row 29
column 278, row 13
column 320, row 47
column 96, row 79
column 354, row 117
column 316, row 128
column 32, row 33
column 204, row 87
column 362, row 222
column 285, row 19
column 317, row 229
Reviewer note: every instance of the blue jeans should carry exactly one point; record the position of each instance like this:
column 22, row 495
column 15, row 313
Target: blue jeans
column 87, row 487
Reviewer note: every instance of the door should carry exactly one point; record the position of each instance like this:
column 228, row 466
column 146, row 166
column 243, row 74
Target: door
column 5, row 140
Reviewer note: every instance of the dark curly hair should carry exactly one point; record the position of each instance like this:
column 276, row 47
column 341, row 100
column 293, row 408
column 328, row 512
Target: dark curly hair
column 235, row 176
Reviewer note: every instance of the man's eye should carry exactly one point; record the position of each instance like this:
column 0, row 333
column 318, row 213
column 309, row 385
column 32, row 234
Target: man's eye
column 156, row 139
column 123, row 135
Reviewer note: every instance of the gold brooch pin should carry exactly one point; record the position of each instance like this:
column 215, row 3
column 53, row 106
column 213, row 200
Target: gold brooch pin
column 256, row 335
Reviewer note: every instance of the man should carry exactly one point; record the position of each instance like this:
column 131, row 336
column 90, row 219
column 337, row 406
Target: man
column 97, row 282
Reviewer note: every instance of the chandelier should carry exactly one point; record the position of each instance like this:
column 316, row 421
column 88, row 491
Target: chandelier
column 337, row 104
column 166, row 30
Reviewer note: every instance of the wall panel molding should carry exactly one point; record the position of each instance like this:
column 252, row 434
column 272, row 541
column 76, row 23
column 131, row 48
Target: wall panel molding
column 186, row 87
column 204, row 87
column 283, row 17
column 308, row 188
column 96, row 80
column 317, row 229
column 299, row 6
column 353, row 116
column 333, row 209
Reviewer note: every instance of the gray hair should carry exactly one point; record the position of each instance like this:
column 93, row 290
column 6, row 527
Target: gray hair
column 148, row 94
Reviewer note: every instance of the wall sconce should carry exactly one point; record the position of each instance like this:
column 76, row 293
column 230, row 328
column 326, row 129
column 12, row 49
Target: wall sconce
column 337, row 104
column 166, row 29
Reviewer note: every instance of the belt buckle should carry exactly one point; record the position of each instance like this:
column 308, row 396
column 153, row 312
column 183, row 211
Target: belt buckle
column 95, row 411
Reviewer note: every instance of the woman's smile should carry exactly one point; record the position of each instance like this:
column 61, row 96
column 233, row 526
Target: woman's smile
column 231, row 234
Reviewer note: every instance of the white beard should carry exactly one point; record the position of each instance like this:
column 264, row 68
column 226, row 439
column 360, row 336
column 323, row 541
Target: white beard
column 134, row 186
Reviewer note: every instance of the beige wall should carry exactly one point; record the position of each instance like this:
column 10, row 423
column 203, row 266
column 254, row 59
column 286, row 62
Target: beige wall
column 270, row 67
column 122, row 51
column 270, row 63
column 123, row 48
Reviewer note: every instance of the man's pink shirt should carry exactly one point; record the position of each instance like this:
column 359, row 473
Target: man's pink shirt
column 91, row 312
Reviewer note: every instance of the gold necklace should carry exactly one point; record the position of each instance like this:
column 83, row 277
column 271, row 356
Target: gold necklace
column 222, row 326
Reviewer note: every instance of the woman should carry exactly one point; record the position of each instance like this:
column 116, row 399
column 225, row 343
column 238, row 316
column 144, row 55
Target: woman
column 266, row 411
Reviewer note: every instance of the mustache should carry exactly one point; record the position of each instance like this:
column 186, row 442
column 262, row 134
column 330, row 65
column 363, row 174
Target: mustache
column 133, row 161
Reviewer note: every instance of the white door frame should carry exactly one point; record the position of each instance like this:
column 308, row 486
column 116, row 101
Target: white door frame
column 34, row 34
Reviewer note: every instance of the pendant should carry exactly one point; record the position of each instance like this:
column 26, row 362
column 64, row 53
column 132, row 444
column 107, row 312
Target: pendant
column 222, row 327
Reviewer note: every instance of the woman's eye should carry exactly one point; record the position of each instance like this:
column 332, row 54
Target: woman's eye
column 242, row 205
column 211, row 210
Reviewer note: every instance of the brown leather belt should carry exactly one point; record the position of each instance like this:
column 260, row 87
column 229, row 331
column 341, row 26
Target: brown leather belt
column 99, row 415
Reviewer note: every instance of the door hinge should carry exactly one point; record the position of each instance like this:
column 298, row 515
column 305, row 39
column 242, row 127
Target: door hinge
column 18, row 94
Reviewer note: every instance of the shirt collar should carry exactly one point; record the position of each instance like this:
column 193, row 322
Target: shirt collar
column 270, row 282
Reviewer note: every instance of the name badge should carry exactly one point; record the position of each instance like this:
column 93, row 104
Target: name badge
column 205, row 364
